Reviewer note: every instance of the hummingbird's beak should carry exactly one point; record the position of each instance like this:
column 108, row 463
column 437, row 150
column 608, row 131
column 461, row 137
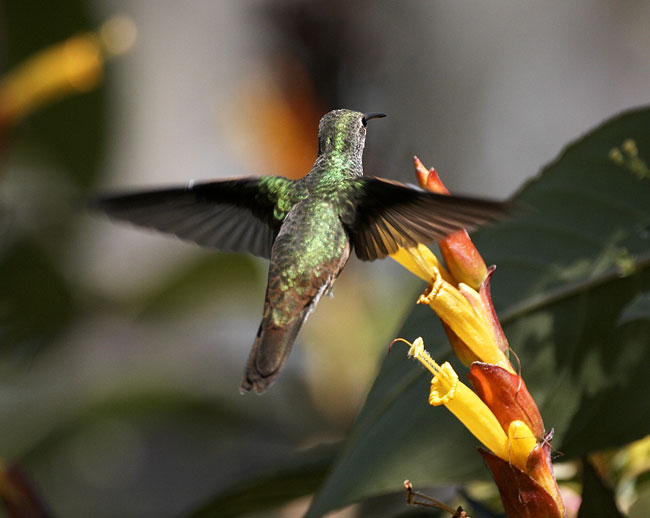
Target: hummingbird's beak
column 373, row 115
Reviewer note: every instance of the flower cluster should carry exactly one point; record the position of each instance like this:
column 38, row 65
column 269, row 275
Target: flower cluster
column 498, row 408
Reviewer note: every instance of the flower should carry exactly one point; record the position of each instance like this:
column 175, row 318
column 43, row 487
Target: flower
column 499, row 411
column 460, row 295
column 502, row 415
column 470, row 410
column 461, row 309
column 421, row 261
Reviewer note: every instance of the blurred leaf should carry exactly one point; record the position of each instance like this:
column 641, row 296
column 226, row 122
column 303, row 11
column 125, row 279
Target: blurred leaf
column 35, row 300
column 641, row 508
column 598, row 499
column 55, row 153
column 567, row 269
column 298, row 476
column 208, row 277
column 153, row 452
column 48, row 23
column 638, row 309
column 71, row 130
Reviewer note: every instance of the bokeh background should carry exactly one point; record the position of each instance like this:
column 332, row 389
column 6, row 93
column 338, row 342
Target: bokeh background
column 122, row 350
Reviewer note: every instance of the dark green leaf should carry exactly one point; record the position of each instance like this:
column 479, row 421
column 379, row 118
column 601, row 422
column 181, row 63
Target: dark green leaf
column 298, row 476
column 641, row 508
column 158, row 452
column 211, row 276
column 35, row 300
column 598, row 499
column 69, row 130
column 638, row 309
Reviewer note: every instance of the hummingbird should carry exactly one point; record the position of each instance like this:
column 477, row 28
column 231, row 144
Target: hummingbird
column 307, row 228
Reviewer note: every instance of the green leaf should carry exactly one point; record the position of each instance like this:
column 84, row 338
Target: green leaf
column 638, row 309
column 47, row 159
column 298, row 476
column 641, row 507
column 69, row 130
column 36, row 302
column 156, row 451
column 598, row 499
column 210, row 276
column 569, row 268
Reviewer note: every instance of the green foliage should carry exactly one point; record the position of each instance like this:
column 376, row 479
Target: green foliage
column 36, row 300
column 597, row 497
column 298, row 475
column 197, row 281
column 70, row 132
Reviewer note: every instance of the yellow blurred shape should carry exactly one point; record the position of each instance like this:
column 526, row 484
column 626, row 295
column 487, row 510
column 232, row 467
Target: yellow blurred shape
column 73, row 66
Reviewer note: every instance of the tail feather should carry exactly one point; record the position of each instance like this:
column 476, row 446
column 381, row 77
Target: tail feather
column 269, row 354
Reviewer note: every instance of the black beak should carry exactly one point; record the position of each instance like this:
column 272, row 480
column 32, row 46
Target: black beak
column 373, row 115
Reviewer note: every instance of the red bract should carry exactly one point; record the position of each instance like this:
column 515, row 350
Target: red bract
column 506, row 395
column 461, row 256
column 522, row 497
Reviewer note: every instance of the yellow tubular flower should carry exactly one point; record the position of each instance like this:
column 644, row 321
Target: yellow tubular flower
column 422, row 262
column 459, row 399
column 461, row 309
column 455, row 310
column 479, row 303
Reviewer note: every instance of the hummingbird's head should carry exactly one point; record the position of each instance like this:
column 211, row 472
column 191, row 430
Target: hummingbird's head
column 343, row 131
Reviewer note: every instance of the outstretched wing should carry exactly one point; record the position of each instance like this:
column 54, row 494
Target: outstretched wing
column 241, row 215
column 390, row 215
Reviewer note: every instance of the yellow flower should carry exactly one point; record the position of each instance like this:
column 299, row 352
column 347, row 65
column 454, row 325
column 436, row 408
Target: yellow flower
column 466, row 272
column 422, row 262
column 461, row 309
column 515, row 446
column 459, row 399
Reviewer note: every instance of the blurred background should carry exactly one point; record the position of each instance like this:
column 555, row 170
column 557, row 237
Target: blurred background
column 121, row 351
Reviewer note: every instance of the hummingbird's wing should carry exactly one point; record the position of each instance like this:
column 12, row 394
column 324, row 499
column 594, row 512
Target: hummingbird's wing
column 390, row 215
column 240, row 215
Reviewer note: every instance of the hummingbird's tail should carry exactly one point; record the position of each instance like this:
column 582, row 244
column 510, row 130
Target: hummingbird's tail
column 269, row 354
